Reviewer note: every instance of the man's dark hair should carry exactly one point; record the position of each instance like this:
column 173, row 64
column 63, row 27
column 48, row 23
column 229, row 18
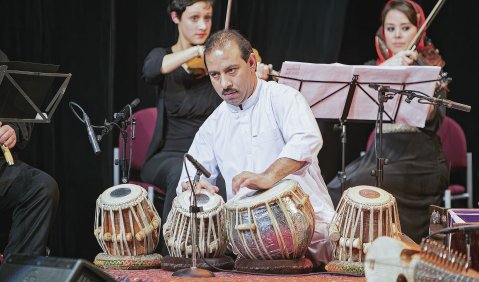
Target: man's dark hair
column 179, row 6
column 222, row 38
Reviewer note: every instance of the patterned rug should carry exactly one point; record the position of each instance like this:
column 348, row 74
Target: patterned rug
column 152, row 275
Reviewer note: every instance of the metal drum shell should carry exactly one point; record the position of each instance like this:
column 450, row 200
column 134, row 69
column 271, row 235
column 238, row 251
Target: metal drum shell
column 276, row 224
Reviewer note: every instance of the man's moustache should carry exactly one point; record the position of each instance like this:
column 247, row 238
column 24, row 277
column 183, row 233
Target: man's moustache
column 229, row 90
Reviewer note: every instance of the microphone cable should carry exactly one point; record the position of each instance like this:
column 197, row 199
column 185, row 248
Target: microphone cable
column 72, row 105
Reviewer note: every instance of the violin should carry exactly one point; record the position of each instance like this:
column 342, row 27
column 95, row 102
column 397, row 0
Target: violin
column 197, row 66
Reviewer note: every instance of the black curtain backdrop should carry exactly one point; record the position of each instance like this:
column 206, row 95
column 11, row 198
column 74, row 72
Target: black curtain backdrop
column 103, row 44
column 76, row 35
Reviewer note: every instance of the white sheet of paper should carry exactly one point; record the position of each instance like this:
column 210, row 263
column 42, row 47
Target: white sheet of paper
column 325, row 87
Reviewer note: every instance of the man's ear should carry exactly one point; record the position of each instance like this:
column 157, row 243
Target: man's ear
column 252, row 61
column 174, row 17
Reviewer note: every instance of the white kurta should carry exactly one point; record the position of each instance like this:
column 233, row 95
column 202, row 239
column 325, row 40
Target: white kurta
column 274, row 122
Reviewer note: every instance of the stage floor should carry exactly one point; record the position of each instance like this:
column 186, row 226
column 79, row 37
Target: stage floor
column 151, row 275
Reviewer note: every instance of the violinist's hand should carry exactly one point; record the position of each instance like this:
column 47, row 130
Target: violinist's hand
column 256, row 181
column 200, row 50
column 201, row 185
column 263, row 71
column 8, row 136
column 402, row 58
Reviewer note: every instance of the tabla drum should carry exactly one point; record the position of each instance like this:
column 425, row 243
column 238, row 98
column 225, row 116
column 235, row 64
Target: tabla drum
column 364, row 213
column 126, row 222
column 210, row 230
column 273, row 224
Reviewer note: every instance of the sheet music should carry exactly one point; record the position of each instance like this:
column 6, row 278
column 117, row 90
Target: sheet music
column 325, row 87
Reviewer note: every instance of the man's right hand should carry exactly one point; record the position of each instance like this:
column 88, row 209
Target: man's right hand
column 8, row 136
column 185, row 185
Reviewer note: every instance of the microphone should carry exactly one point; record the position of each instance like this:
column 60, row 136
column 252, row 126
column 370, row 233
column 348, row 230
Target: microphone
column 438, row 101
column 453, row 105
column 382, row 87
column 122, row 115
column 91, row 135
column 374, row 86
column 198, row 166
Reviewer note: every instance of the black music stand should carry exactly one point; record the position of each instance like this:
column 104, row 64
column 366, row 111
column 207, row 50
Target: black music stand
column 19, row 78
column 339, row 92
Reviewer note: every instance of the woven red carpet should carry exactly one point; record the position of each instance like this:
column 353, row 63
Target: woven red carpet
column 151, row 275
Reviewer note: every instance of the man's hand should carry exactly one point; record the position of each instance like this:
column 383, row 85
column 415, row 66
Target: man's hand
column 7, row 136
column 201, row 185
column 256, row 181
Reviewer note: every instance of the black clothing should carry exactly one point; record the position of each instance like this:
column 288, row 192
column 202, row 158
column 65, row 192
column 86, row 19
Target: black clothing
column 31, row 194
column 3, row 57
column 33, row 197
column 416, row 174
column 184, row 104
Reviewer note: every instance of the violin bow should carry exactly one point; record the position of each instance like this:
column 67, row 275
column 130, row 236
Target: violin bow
column 228, row 15
column 425, row 25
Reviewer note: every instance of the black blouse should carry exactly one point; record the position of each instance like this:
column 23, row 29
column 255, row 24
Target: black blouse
column 184, row 104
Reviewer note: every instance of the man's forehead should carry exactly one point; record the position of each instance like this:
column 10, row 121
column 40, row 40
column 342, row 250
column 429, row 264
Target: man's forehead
column 227, row 48
column 223, row 55
column 218, row 52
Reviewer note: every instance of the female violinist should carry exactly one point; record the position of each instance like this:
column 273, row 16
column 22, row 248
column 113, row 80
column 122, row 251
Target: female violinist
column 417, row 172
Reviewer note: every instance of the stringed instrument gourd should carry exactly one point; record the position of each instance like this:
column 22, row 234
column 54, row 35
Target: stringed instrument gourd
column 389, row 259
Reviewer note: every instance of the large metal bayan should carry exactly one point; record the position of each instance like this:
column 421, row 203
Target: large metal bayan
column 277, row 223
column 126, row 222
column 210, row 230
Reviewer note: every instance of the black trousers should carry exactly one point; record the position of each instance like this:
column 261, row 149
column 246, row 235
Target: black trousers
column 33, row 198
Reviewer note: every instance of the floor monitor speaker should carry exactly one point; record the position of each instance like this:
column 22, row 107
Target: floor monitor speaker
column 50, row 269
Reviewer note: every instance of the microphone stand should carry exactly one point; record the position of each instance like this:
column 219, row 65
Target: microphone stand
column 380, row 160
column 385, row 93
column 342, row 128
column 467, row 235
column 343, row 137
column 121, row 161
column 194, row 271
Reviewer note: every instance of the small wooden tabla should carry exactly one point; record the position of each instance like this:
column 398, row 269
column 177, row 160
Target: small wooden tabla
column 364, row 213
column 126, row 222
column 210, row 225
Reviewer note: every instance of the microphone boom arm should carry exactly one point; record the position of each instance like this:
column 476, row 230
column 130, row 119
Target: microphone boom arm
column 411, row 94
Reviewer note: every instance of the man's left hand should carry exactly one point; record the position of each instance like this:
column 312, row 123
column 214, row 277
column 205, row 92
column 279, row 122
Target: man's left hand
column 7, row 136
column 256, row 181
